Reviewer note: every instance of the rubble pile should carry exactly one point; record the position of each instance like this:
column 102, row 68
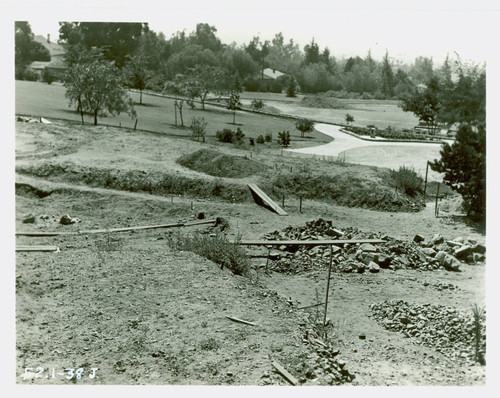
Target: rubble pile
column 394, row 254
column 445, row 329
column 327, row 365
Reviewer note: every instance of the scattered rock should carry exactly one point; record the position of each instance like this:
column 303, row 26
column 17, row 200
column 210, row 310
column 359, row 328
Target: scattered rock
column 373, row 267
column 418, row 238
column 29, row 219
column 437, row 239
column 67, row 220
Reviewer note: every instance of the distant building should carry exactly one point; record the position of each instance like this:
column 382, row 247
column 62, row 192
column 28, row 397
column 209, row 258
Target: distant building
column 56, row 64
column 271, row 74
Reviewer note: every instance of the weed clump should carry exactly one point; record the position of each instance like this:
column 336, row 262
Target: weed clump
column 214, row 248
column 407, row 179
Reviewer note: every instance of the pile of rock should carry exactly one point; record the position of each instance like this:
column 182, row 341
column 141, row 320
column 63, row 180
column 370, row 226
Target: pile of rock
column 327, row 365
column 444, row 328
column 393, row 254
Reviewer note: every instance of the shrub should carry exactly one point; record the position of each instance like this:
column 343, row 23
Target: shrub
column 260, row 139
column 257, row 104
column 268, row 137
column 238, row 135
column 198, row 127
column 217, row 249
column 225, row 135
column 251, row 140
column 284, row 138
column 47, row 76
column 408, row 180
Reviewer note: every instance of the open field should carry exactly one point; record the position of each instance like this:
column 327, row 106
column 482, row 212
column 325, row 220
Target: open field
column 143, row 313
column 157, row 114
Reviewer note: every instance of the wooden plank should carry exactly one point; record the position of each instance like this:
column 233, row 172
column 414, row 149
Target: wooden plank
column 260, row 197
column 37, row 249
column 241, row 321
column 306, row 242
column 310, row 306
column 292, row 380
column 104, row 230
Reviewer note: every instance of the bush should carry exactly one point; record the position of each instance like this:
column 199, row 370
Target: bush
column 26, row 74
column 257, row 104
column 408, row 180
column 217, row 249
column 268, row 137
column 227, row 135
column 284, row 138
column 260, row 139
column 251, row 140
column 47, row 76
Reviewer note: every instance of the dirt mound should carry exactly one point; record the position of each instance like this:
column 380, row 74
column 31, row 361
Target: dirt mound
column 219, row 164
column 29, row 191
column 156, row 183
column 346, row 190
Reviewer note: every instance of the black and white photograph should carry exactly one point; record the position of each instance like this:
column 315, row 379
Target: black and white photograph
column 262, row 195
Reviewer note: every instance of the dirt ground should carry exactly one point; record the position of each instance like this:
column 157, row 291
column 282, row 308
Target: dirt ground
column 142, row 314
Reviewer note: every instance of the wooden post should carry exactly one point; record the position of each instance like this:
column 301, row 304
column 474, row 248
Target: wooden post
column 175, row 111
column 191, row 205
column 267, row 260
column 300, row 205
column 135, row 125
column 328, row 289
column 283, row 201
column 425, row 182
column 436, row 211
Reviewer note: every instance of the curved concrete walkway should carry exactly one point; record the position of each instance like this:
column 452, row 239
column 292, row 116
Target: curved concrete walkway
column 374, row 153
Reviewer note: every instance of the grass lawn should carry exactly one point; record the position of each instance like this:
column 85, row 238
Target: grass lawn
column 157, row 114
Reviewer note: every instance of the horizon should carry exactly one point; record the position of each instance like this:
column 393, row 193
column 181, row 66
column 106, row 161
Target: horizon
column 403, row 48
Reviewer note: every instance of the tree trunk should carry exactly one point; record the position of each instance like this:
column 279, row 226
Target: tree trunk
column 234, row 116
column 140, row 97
column 180, row 114
column 95, row 117
column 80, row 109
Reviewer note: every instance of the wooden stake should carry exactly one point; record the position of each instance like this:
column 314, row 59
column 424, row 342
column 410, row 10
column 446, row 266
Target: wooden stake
column 300, row 206
column 135, row 125
column 426, row 172
column 436, row 210
column 191, row 205
column 267, row 260
column 283, row 201
column 327, row 289
column 241, row 321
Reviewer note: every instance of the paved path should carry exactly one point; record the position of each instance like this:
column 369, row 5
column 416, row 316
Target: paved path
column 373, row 153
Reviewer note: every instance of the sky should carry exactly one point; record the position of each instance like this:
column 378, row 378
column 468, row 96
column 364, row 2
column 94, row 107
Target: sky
column 424, row 30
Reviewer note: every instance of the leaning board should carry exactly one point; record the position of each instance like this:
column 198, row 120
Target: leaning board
column 261, row 198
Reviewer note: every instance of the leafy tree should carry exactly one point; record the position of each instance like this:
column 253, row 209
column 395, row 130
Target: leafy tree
column 206, row 38
column 27, row 49
column 239, row 62
column 189, row 57
column 425, row 104
column 203, row 79
column 349, row 118
column 116, row 39
column 464, row 167
column 259, row 52
column 315, row 78
column 305, row 126
column 47, row 76
column 97, row 86
column 233, row 103
column 199, row 128
column 137, row 73
column 285, row 57
column 422, row 71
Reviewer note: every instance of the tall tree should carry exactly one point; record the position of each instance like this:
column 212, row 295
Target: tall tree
column 205, row 79
column 117, row 39
column 259, row 52
column 311, row 51
column 233, row 103
column 137, row 74
column 387, row 77
column 205, row 36
column 425, row 104
column 27, row 49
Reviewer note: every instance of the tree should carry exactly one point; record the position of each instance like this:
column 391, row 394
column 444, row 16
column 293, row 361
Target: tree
column 116, row 39
column 292, row 85
column 27, row 49
column 233, row 103
column 137, row 73
column 203, row 79
column 425, row 104
column 97, row 86
column 259, row 52
column 464, row 167
column 387, row 77
column 304, row 126
column 349, row 118
column 284, row 138
column 179, row 104
column 198, row 127
column 311, row 51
